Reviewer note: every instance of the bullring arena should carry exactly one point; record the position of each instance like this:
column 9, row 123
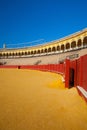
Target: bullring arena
column 44, row 87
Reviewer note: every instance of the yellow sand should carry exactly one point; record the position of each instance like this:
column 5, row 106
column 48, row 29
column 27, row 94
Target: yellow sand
column 34, row 100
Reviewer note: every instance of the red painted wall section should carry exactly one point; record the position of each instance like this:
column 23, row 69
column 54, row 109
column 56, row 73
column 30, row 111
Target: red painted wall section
column 57, row 68
column 82, row 72
column 83, row 82
column 82, row 76
column 79, row 71
column 67, row 68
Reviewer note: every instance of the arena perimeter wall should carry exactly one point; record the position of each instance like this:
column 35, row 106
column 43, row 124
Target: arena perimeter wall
column 74, row 72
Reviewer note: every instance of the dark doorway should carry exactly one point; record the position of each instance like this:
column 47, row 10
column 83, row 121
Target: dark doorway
column 19, row 67
column 71, row 78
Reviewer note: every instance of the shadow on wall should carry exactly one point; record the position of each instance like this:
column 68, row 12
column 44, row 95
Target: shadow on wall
column 71, row 78
column 3, row 63
column 37, row 62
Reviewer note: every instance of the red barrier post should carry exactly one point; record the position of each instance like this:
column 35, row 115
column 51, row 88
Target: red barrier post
column 67, row 68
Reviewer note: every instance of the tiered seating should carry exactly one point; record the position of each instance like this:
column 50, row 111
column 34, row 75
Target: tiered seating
column 47, row 59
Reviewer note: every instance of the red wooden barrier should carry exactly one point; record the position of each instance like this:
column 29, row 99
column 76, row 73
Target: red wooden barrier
column 67, row 66
column 9, row 66
column 78, row 67
column 83, row 72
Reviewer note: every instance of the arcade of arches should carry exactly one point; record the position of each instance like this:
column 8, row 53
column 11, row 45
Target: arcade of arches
column 58, row 48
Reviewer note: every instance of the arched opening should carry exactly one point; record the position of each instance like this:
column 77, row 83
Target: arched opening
column 79, row 43
column 45, row 50
column 28, row 52
column 19, row 53
column 58, row 48
column 42, row 51
column 54, row 49
column 49, row 49
column 3, row 54
column 68, row 46
column 6, row 55
column 73, row 44
column 32, row 53
column 62, row 47
column 25, row 53
column 38, row 52
column 35, row 52
column 9, row 54
column 12, row 54
column 22, row 53
column 85, row 41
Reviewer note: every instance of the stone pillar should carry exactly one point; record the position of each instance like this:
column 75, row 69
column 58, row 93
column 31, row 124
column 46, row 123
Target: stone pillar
column 82, row 41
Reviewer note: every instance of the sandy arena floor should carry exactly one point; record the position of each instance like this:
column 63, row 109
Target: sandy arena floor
column 34, row 100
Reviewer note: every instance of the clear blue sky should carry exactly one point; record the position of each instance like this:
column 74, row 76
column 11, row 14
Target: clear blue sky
column 28, row 20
